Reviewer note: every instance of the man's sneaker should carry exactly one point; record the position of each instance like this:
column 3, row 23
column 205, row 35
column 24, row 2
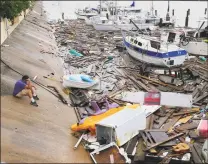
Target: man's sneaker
column 36, row 97
column 33, row 103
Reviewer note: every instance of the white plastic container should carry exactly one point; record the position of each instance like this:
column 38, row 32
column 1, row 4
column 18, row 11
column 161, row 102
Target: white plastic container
column 121, row 126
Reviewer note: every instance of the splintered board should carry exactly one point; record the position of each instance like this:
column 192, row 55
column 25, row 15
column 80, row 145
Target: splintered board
column 104, row 156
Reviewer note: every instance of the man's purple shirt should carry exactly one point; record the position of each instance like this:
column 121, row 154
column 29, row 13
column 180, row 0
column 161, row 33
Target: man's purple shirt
column 19, row 86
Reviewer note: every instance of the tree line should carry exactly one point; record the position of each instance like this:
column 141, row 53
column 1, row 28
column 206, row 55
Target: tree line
column 11, row 9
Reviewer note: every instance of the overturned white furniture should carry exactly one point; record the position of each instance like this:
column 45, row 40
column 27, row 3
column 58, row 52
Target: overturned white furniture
column 121, row 126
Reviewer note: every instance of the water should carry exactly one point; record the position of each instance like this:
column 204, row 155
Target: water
column 55, row 8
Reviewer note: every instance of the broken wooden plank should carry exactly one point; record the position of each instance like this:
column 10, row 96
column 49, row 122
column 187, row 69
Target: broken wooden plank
column 152, row 137
column 169, row 139
column 162, row 120
column 140, row 154
column 151, row 121
column 195, row 156
column 201, row 98
column 138, row 83
column 148, row 119
column 195, row 92
column 160, row 83
column 161, row 136
column 187, row 126
column 130, row 146
column 170, row 123
column 183, row 113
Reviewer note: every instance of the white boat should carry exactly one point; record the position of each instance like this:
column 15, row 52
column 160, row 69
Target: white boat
column 76, row 81
column 151, row 50
column 194, row 41
column 139, row 16
column 87, row 12
column 107, row 25
column 120, row 20
column 104, row 12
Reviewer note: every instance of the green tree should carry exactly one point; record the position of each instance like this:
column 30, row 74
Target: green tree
column 11, row 9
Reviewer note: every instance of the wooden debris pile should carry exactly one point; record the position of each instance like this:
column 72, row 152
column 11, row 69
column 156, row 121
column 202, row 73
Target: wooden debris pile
column 171, row 134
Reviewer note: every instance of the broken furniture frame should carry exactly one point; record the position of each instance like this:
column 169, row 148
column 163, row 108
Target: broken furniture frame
column 106, row 147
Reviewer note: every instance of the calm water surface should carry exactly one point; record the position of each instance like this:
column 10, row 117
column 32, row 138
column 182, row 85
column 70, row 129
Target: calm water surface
column 55, row 8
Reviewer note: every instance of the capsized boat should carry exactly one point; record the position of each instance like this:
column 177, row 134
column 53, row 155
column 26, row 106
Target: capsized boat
column 150, row 50
column 78, row 81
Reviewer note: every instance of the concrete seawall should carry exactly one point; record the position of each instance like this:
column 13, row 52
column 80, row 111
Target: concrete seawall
column 7, row 28
column 35, row 134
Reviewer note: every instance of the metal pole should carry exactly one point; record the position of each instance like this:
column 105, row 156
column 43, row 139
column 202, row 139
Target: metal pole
column 100, row 7
column 152, row 9
column 78, row 142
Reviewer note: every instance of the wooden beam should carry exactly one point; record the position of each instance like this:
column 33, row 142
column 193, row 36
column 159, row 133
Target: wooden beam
column 169, row 139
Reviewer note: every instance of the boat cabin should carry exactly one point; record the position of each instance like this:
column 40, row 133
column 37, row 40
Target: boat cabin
column 171, row 37
column 127, row 11
column 144, row 43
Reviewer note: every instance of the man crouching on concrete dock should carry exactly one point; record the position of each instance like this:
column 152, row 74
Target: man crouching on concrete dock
column 24, row 87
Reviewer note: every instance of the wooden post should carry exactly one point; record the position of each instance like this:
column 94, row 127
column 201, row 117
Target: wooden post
column 169, row 71
column 181, row 73
column 187, row 18
column 155, row 12
column 205, row 12
column 167, row 17
column 173, row 12
column 160, row 23
column 176, row 75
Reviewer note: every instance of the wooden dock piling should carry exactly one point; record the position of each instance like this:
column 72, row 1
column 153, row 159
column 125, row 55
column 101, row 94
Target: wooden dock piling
column 187, row 18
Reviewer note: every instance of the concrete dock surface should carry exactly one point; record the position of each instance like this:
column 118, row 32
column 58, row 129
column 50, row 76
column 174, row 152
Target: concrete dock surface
column 35, row 134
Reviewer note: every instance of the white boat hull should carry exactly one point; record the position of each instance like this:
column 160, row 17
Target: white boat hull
column 179, row 60
column 115, row 27
column 196, row 48
column 84, row 16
